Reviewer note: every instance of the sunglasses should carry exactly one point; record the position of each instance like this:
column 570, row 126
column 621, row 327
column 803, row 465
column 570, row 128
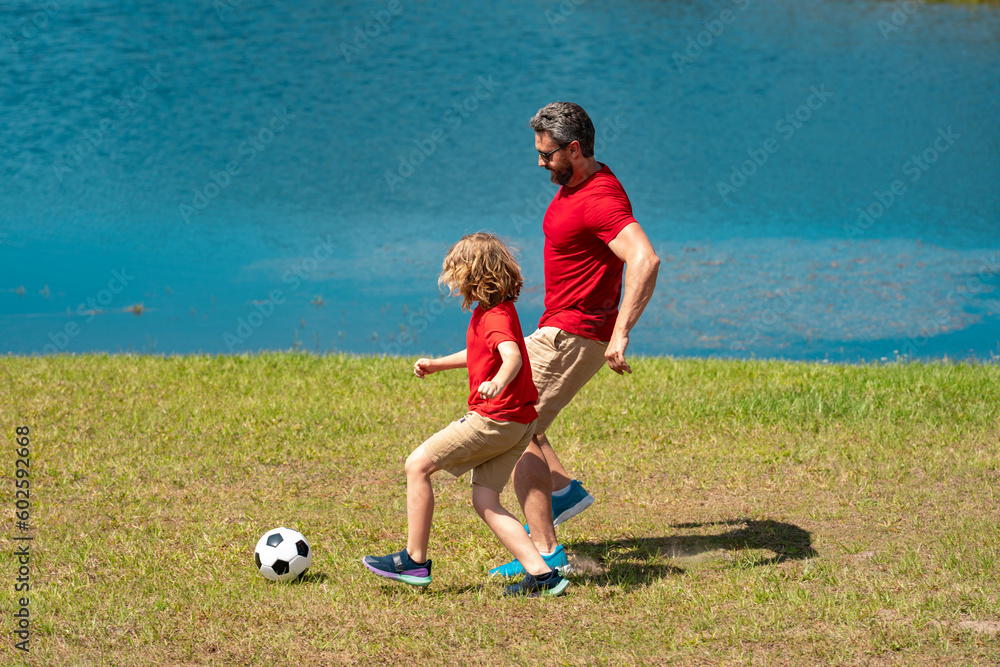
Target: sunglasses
column 548, row 156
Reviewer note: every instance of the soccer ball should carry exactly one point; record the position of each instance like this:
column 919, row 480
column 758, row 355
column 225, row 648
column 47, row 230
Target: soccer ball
column 282, row 554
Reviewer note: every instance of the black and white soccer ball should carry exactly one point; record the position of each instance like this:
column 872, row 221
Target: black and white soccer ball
column 282, row 554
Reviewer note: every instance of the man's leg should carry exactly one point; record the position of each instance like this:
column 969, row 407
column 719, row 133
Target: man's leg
column 560, row 478
column 569, row 498
column 535, row 489
column 561, row 364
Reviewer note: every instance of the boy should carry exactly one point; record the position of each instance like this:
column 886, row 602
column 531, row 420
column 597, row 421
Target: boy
column 491, row 437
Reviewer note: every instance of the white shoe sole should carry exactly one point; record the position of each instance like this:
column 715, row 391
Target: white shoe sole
column 571, row 512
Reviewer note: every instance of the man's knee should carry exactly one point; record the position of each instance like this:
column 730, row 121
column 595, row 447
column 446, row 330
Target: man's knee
column 531, row 466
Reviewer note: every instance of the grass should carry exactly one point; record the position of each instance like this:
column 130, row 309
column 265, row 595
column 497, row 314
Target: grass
column 763, row 513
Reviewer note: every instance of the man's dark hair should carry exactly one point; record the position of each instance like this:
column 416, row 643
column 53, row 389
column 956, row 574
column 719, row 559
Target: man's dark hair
column 566, row 122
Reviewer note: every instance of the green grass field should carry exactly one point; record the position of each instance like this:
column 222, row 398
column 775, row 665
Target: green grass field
column 762, row 513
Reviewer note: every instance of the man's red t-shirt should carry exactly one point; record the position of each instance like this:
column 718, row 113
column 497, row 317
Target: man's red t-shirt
column 487, row 329
column 583, row 278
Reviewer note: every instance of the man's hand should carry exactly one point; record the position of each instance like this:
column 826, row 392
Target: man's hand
column 422, row 367
column 615, row 354
column 489, row 389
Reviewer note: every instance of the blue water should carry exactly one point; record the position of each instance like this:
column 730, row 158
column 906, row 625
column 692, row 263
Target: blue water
column 184, row 177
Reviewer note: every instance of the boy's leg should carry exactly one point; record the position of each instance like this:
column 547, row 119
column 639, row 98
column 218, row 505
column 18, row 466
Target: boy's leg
column 419, row 503
column 533, row 486
column 508, row 529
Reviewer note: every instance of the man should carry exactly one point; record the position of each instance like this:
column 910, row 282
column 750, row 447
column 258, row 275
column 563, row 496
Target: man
column 590, row 237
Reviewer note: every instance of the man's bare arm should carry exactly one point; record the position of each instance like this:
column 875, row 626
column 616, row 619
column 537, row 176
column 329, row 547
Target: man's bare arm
column 642, row 265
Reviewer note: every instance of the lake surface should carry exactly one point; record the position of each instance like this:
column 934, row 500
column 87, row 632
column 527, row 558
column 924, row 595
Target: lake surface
column 820, row 178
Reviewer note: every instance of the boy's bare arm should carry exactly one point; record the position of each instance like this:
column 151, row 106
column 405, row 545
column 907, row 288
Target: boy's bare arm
column 510, row 365
column 423, row 366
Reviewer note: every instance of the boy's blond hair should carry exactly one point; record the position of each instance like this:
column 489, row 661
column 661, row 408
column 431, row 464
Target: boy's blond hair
column 481, row 268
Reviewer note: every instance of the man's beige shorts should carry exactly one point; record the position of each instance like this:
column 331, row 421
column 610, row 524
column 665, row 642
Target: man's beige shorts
column 488, row 447
column 561, row 363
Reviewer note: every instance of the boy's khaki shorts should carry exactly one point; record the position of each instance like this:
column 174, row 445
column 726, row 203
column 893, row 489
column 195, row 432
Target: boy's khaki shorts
column 488, row 447
column 561, row 363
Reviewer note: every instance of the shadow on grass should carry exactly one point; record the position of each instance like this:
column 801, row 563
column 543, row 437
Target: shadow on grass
column 638, row 560
column 309, row 577
column 395, row 588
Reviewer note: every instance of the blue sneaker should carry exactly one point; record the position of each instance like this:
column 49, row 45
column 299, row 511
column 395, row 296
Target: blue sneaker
column 557, row 561
column 531, row 586
column 568, row 505
column 574, row 501
column 401, row 567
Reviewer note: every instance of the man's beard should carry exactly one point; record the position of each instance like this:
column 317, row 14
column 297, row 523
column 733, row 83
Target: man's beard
column 562, row 177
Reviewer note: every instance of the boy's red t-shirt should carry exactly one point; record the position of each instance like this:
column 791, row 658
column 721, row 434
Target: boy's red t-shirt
column 487, row 329
column 583, row 277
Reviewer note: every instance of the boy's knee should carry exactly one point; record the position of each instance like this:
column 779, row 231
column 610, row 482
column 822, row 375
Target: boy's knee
column 484, row 499
column 479, row 506
column 416, row 463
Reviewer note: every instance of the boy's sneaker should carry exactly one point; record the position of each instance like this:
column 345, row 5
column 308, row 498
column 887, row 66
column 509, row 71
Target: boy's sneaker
column 401, row 567
column 575, row 500
column 557, row 561
column 531, row 586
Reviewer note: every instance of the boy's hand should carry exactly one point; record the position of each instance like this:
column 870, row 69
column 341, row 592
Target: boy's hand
column 489, row 389
column 422, row 367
